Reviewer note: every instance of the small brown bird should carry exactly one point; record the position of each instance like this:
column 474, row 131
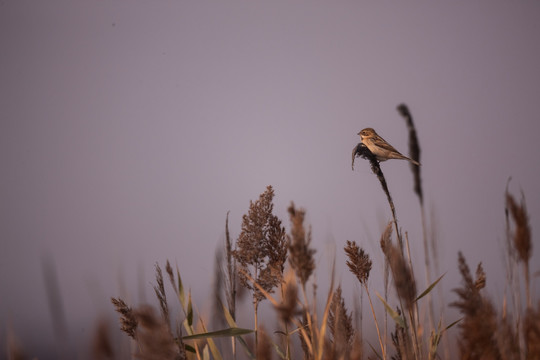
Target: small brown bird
column 380, row 148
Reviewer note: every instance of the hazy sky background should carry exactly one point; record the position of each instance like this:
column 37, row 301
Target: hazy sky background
column 129, row 129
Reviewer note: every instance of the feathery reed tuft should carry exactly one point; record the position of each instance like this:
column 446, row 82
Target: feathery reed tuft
column 414, row 150
column 531, row 330
column 300, row 253
column 287, row 308
column 101, row 345
column 261, row 248
column 404, row 281
column 160, row 293
column 230, row 278
column 154, row 337
column 128, row 321
column 522, row 235
column 264, row 346
column 340, row 325
column 522, row 238
column 479, row 324
column 359, row 263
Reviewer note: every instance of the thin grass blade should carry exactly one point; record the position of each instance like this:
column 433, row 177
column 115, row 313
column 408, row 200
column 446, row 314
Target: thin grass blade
column 219, row 333
column 430, row 287
column 393, row 314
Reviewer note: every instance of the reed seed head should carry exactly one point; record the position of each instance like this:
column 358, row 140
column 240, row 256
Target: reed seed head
column 300, row 252
column 359, row 263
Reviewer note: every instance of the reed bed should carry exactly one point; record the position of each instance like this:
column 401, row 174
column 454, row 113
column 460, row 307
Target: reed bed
column 269, row 264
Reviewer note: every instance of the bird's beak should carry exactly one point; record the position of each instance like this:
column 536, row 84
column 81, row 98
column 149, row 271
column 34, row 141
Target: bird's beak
column 358, row 133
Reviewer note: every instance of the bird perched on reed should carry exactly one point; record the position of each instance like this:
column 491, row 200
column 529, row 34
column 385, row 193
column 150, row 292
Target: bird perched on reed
column 380, row 148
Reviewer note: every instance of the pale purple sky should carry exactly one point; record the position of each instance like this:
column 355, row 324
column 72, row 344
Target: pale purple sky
column 129, row 129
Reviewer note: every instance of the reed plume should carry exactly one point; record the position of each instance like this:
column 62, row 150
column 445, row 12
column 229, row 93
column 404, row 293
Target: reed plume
column 264, row 346
column 522, row 238
column 230, row 278
column 531, row 330
column 287, row 308
column 128, row 321
column 261, row 250
column 359, row 263
column 340, row 325
column 414, row 150
column 102, row 347
column 159, row 289
column 300, row 252
column 479, row 324
column 154, row 337
column 404, row 281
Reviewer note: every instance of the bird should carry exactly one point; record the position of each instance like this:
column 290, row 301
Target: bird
column 380, row 148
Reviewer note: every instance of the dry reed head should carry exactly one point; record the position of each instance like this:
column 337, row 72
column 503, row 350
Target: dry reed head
column 531, row 332
column 359, row 263
column 300, row 253
column 404, row 281
column 230, row 278
column 261, row 248
column 507, row 340
column 386, row 239
column 414, row 150
column 128, row 321
column 522, row 235
column 154, row 337
column 101, row 344
column 340, row 325
column 169, row 271
column 357, row 350
column 264, row 345
column 479, row 325
column 287, row 309
column 159, row 289
column 480, row 281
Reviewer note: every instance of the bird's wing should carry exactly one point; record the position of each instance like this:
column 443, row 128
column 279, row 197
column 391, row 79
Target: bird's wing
column 380, row 142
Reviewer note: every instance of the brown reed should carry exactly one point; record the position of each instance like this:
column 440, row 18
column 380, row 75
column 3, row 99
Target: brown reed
column 300, row 252
column 261, row 248
column 414, row 150
column 359, row 263
column 340, row 325
column 287, row 309
column 102, row 348
column 531, row 330
column 230, row 278
column 522, row 238
column 479, row 325
column 264, row 346
column 404, row 281
column 128, row 321
column 159, row 289
column 154, row 337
